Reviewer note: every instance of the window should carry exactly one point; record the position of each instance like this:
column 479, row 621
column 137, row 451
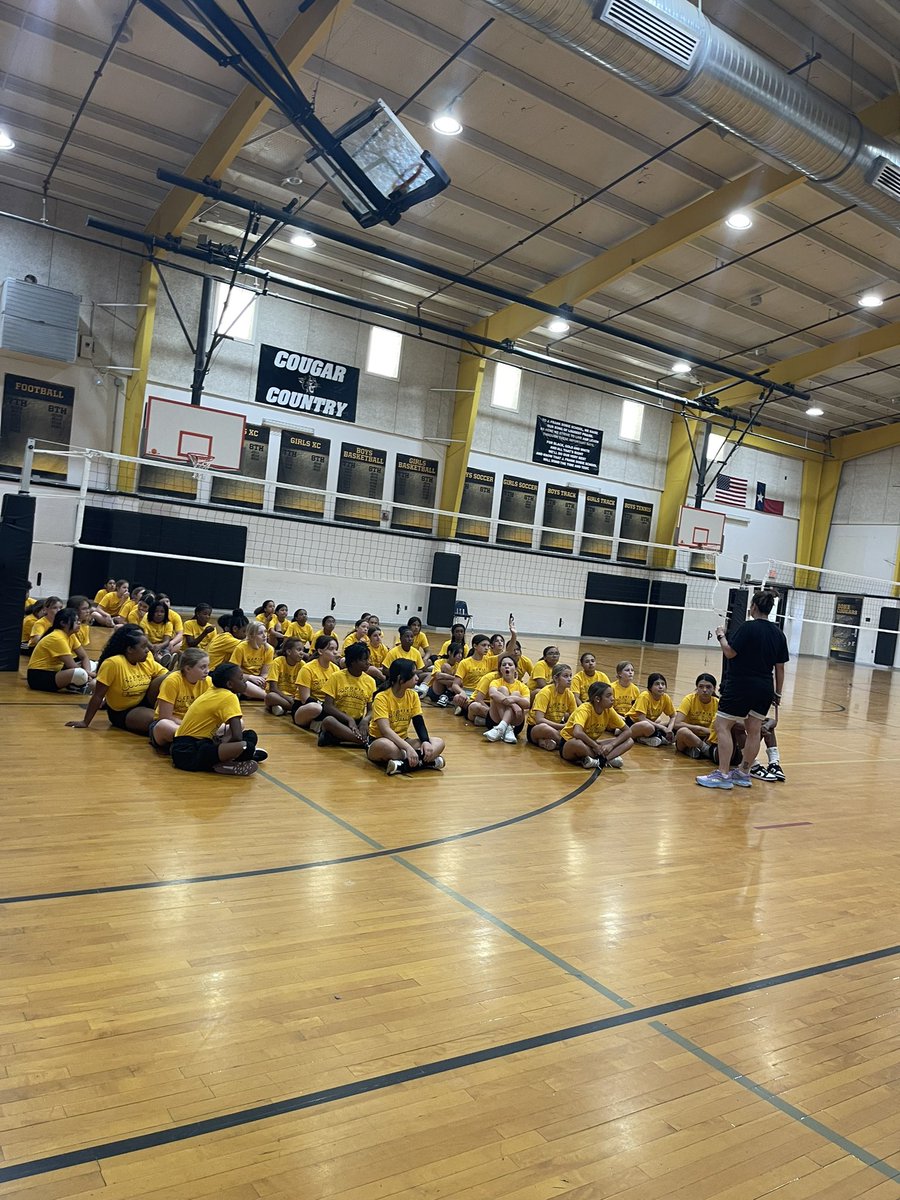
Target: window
column 715, row 447
column 632, row 421
column 384, row 352
column 235, row 311
column 505, row 392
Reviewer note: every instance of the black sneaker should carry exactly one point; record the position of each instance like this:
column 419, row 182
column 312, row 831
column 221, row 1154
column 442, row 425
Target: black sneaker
column 758, row 771
column 260, row 755
column 775, row 773
column 323, row 738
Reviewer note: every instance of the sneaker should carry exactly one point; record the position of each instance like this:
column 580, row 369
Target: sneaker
column 165, row 660
column 715, row 780
column 590, row 764
column 237, row 768
column 493, row 735
column 443, row 701
column 422, row 689
column 651, row 741
column 322, row 739
column 614, row 762
column 436, row 764
column 741, row 778
column 277, row 710
column 775, row 774
column 758, row 771
column 457, row 712
column 510, row 736
column 479, row 721
column 395, row 766
column 260, row 755
column 693, row 752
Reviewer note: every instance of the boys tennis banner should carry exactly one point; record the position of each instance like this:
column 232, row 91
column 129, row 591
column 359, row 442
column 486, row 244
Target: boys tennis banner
column 477, row 501
column 415, row 484
column 570, row 447
column 636, row 520
column 293, row 381
column 360, row 474
column 34, row 408
column 303, row 462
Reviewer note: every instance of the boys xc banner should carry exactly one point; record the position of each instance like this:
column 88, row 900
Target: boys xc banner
column 34, row 408
column 570, row 447
column 294, row 381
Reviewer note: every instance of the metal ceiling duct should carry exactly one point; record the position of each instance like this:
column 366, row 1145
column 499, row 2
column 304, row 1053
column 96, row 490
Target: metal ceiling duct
column 671, row 50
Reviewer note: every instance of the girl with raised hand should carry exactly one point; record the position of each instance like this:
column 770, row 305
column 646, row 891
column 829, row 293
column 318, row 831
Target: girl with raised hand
column 311, row 680
column 254, row 656
column 53, row 666
column 550, row 709
column 177, row 693
column 509, row 700
column 394, row 709
column 128, row 680
column 694, row 718
column 652, row 715
column 198, row 744
column 582, row 735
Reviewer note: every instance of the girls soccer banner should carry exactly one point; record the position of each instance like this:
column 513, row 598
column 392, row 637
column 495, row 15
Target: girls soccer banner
column 360, row 474
column 560, row 512
column 518, row 499
column 34, row 408
column 303, row 462
column 415, row 484
column 637, row 518
column 599, row 525
column 293, row 381
column 477, row 502
column 254, row 455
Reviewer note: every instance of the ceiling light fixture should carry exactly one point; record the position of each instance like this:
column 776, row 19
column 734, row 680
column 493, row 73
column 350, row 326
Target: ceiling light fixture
column 739, row 220
column 446, row 123
column 303, row 241
column 815, row 412
column 558, row 325
column 681, row 367
column 870, row 300
column 6, row 142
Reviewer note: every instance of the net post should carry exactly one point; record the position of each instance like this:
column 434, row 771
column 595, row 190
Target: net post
column 745, row 571
column 27, row 468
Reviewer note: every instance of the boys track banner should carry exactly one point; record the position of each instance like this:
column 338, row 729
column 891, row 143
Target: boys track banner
column 34, row 408
column 560, row 513
column 294, row 381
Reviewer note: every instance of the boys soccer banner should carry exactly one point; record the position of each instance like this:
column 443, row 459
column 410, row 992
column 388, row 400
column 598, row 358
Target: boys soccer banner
column 293, row 381
column 303, row 462
column 599, row 525
column 570, row 447
column 560, row 512
column 477, row 501
column 636, row 520
column 360, row 474
column 415, row 484
column 254, row 454
column 33, row 408
column 518, row 499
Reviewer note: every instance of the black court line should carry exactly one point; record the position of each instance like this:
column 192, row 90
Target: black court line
column 292, row 868
column 441, row 1066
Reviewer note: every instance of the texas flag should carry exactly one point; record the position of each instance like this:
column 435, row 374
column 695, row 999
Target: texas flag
column 775, row 507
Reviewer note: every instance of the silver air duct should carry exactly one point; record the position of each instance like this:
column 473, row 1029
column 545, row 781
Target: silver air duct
column 670, row 49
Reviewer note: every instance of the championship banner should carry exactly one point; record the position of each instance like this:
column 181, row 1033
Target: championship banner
column 415, row 484
column 636, row 521
column 847, row 612
column 570, row 447
column 33, row 408
column 290, row 381
column 254, row 455
column 477, row 501
column 560, row 512
column 599, row 525
column 518, row 498
column 361, row 473
column 303, row 462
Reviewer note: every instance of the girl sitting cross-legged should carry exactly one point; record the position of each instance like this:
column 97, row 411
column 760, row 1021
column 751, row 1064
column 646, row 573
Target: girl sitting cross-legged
column 653, row 713
column 551, row 708
column 201, row 744
column 346, row 700
column 695, row 717
column 509, row 700
column 394, row 709
column 53, row 666
column 177, row 693
column 583, row 739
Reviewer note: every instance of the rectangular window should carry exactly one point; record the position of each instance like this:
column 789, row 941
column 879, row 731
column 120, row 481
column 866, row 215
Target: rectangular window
column 383, row 357
column 632, row 421
column 715, row 447
column 505, row 392
column 234, row 311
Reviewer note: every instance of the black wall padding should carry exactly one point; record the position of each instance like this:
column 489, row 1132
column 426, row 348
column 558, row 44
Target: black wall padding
column 442, row 600
column 886, row 643
column 16, row 536
column 185, row 580
column 610, row 619
column 664, row 624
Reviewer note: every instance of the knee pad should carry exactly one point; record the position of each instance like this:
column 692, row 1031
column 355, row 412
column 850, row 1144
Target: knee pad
column 80, row 676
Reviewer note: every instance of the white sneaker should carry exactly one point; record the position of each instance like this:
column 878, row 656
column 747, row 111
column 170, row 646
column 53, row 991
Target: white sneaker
column 493, row 735
column 436, row 764
column 590, row 764
column 276, row 710
column 443, row 701
column 614, row 762
column 457, row 711
column 422, row 689
column 510, row 736
column 650, row 741
column 693, row 752
column 393, row 766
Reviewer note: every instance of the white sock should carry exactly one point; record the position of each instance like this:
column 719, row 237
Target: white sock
column 772, row 753
column 80, row 676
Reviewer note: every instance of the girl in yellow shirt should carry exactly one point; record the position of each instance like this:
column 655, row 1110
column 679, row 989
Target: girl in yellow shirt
column 694, row 718
column 109, row 586
column 508, row 702
column 52, row 605
column 394, row 709
column 653, row 713
column 328, row 624
column 551, row 708
column 33, row 613
column 232, row 627
column 129, row 608
column 159, row 627
column 582, row 735
column 281, row 681
column 278, row 628
column 52, row 666
column 378, row 652
column 113, row 602
column 358, row 634
column 543, row 668
column 457, row 634
column 625, row 690
column 199, row 746
column 299, row 627
column 470, row 672
column 586, row 676
column 347, row 699
column 199, row 629
column 445, row 673
column 80, row 640
column 254, row 656
column 419, row 639
column 177, row 692
column 311, row 680
column 128, row 680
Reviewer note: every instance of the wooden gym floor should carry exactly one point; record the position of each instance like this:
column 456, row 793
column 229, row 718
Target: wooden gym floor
column 510, row 980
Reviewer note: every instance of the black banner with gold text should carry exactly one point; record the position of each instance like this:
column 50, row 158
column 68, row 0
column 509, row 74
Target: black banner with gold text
column 360, row 474
column 254, row 456
column 560, row 513
column 844, row 639
column 302, row 462
column 599, row 525
column 34, row 408
column 637, row 518
column 518, row 498
column 415, row 485
column 476, row 505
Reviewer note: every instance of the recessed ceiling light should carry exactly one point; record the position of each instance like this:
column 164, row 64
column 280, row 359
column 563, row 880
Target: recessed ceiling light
column 739, row 220
column 6, row 142
column 292, row 180
column 870, row 300
column 446, row 123
column 815, row 412
column 558, row 325
column 303, row 240
column 681, row 367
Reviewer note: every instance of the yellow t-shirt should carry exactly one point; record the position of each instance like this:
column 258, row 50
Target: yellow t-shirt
column 399, row 712
column 113, row 603
column 420, row 642
column 351, row 638
column 176, row 620
column 193, row 629
column 549, row 703
column 524, row 666
column 221, row 648
column 697, row 713
column 80, row 637
column 471, row 671
column 158, row 631
column 398, row 652
column 303, row 632
column 541, row 673
column 654, row 710
column 377, row 655
column 251, row 659
column 127, row 682
column 321, row 633
column 128, row 612
column 516, row 688
column 582, row 682
column 313, row 676
column 27, row 626
column 284, row 676
column 215, row 707
column 448, row 643
column 100, row 594
column 352, row 694
column 624, row 697
column 40, row 627
column 593, row 723
column 176, row 690
column 48, row 654
column 444, row 667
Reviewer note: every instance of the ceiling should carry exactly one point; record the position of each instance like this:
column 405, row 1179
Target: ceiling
column 543, row 130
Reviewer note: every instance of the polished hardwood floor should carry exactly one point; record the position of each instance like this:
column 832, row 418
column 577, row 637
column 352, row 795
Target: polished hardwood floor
column 510, row 980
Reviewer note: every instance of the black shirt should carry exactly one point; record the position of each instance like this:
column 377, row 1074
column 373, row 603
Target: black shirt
column 758, row 646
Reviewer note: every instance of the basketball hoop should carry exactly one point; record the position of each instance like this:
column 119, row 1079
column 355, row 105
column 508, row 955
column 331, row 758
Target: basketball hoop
column 200, row 462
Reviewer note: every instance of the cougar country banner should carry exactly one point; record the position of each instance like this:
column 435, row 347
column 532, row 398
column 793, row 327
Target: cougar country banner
column 415, row 484
column 360, row 473
column 845, row 631
column 570, row 447
column 518, row 499
column 295, row 381
column 34, row 408
column 560, row 513
column 477, row 502
column 599, row 525
column 636, row 520
column 254, row 455
column 302, row 462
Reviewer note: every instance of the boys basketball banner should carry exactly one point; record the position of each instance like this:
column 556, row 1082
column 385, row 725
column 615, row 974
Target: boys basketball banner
column 303, row 462
column 360, row 474
column 254, row 455
column 570, row 447
column 637, row 518
column 599, row 525
column 560, row 512
column 518, row 499
column 291, row 381
column 477, row 501
column 415, row 484
column 845, row 631
column 33, row 408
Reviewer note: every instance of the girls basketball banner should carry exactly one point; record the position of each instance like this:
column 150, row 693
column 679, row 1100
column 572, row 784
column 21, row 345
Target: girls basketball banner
column 560, row 513
column 294, row 381
column 518, row 499
column 34, row 408
column 303, row 462
column 477, row 502
column 254, row 456
column 599, row 525
column 360, row 474
column 415, row 484
column 637, row 518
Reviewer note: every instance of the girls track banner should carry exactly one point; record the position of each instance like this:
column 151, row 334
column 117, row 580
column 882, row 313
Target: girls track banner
column 360, row 474
column 477, row 502
column 560, row 513
column 518, row 499
column 34, row 408
column 303, row 462
column 599, row 525
column 844, row 639
column 415, row 484
column 295, row 381
column 567, row 446
column 254, row 455
column 637, row 518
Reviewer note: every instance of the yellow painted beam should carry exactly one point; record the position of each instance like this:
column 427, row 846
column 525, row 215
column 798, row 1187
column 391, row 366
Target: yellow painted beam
column 817, row 496
column 137, row 383
column 869, row 441
column 469, row 382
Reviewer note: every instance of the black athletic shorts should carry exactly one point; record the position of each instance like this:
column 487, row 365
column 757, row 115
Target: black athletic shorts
column 741, row 697
column 117, row 717
column 41, row 681
column 194, row 754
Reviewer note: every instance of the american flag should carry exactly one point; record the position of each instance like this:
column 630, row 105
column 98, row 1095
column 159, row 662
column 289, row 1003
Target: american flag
column 730, row 490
